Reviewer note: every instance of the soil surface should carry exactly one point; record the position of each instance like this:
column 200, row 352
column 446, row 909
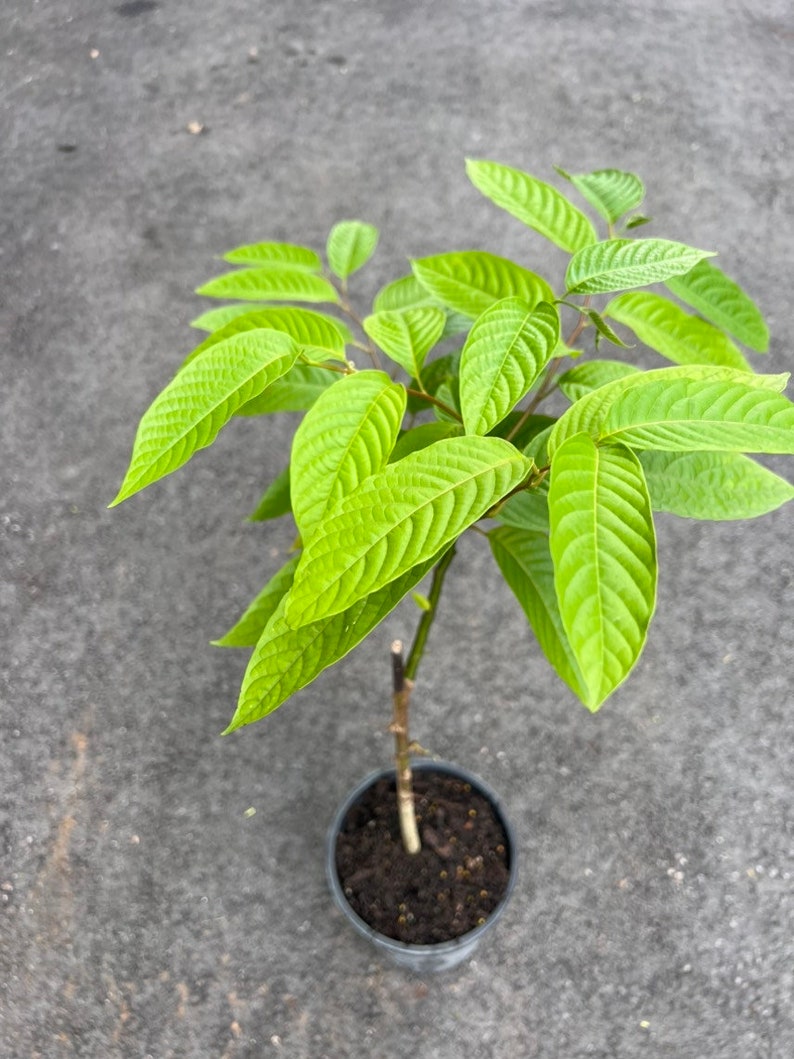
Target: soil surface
column 447, row 889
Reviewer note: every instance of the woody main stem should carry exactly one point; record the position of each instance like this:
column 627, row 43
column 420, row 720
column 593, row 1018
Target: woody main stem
column 402, row 756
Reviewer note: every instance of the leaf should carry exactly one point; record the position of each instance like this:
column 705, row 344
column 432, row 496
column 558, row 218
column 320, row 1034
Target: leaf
column 712, row 415
column 507, row 348
column 286, row 660
column 524, row 558
column 722, row 301
column 420, row 437
column 344, row 438
column 350, row 245
column 200, row 400
column 604, row 552
column 398, row 518
column 403, row 293
column 712, row 485
column 275, row 501
column 294, row 392
column 277, row 255
column 604, row 330
column 315, row 332
column 535, row 203
column 589, row 376
column 637, row 221
column 591, row 411
column 665, row 327
column 246, row 631
column 528, row 510
column 407, row 335
column 470, row 281
column 270, row 285
column 612, row 192
column 215, row 319
column 529, row 428
column 619, row 263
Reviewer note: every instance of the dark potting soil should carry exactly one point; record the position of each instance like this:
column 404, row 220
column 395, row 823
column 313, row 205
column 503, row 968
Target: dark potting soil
column 450, row 887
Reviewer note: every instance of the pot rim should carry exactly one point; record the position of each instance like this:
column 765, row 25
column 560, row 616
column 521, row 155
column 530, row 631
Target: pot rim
column 471, row 937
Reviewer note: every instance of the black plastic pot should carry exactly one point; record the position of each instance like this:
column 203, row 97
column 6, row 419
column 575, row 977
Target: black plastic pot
column 445, row 955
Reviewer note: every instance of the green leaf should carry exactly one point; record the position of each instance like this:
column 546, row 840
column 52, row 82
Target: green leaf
column 535, row 203
column 420, row 437
column 721, row 300
column 350, row 245
column 215, row 319
column 398, row 518
column 612, row 192
column 603, row 329
column 246, row 631
column 507, row 348
column 270, row 285
column 294, row 392
column 712, row 415
column 276, row 255
column 407, row 335
column 604, row 552
column 317, row 334
column 589, row 376
column 528, row 510
column 619, row 263
column 286, row 660
column 200, row 400
column 344, row 438
column 591, row 412
column 665, row 327
column 524, row 558
column 470, row 281
column 637, row 221
column 530, row 427
column 275, row 501
column 713, row 485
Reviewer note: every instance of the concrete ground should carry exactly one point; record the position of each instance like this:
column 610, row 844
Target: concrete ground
column 145, row 911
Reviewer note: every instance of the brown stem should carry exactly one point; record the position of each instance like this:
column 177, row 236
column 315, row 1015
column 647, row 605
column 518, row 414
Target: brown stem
column 402, row 755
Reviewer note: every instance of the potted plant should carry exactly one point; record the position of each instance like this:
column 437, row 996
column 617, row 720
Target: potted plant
column 462, row 402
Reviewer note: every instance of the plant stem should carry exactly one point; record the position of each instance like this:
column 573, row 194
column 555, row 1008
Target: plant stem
column 423, row 629
column 434, row 400
column 402, row 752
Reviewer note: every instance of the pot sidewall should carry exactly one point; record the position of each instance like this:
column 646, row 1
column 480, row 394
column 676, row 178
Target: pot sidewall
column 421, row 958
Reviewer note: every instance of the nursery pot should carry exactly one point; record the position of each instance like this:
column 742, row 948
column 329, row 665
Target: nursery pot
column 438, row 955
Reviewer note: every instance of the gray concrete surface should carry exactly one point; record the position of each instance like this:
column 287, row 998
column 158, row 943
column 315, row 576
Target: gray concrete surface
column 144, row 913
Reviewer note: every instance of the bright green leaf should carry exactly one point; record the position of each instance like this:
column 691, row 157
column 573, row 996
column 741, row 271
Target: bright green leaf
column 590, row 412
column 286, row 660
column 350, row 245
column 535, row 203
column 690, row 415
column 270, row 285
column 721, row 300
column 528, row 509
column 423, row 435
column 713, row 485
column 247, row 630
column 407, row 335
column 604, row 552
column 344, row 438
column 275, row 500
column 398, row 518
column 294, row 392
column 612, row 192
column 589, row 376
column 665, row 327
column 505, row 352
column 200, row 400
column 524, row 558
column 276, row 255
column 616, row 264
column 470, row 281
column 316, row 333
column 215, row 319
